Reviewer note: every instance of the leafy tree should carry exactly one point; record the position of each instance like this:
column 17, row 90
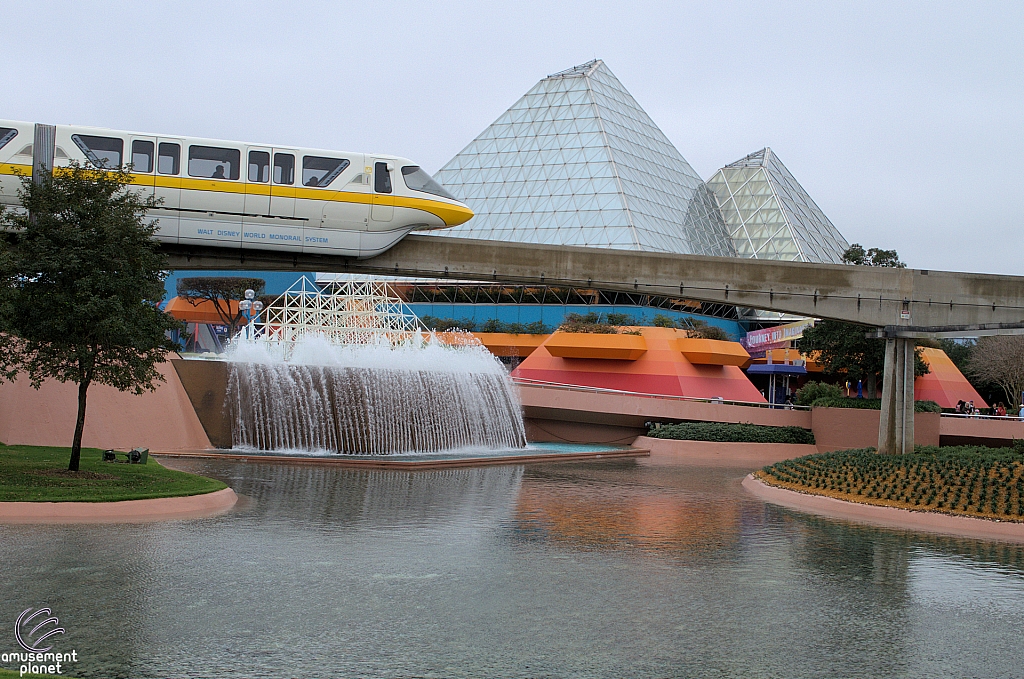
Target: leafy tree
column 856, row 254
column 1000, row 360
column 844, row 349
column 220, row 291
column 663, row 321
column 81, row 279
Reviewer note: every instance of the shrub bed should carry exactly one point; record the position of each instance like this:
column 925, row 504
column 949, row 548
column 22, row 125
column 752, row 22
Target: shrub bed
column 963, row 480
column 870, row 404
column 732, row 433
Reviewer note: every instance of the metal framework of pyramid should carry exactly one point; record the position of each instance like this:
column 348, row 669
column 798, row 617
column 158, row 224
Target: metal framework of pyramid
column 770, row 216
column 342, row 311
column 576, row 161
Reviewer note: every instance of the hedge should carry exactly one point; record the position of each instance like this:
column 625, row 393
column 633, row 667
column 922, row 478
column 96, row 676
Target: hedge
column 731, row 433
column 964, row 480
column 870, row 404
column 812, row 391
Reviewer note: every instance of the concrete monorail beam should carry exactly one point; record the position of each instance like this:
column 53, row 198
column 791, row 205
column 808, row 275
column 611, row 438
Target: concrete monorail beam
column 870, row 296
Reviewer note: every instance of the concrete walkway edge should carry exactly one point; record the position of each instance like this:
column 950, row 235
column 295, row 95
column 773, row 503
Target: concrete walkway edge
column 126, row 511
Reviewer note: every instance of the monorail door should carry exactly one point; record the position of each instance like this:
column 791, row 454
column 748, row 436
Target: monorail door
column 142, row 157
column 257, row 187
column 282, row 192
column 383, row 209
column 168, row 186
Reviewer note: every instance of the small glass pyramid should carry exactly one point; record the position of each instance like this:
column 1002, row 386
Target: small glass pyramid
column 576, row 161
column 770, row 216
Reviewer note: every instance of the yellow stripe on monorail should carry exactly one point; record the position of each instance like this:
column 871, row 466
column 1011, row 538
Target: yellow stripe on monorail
column 451, row 215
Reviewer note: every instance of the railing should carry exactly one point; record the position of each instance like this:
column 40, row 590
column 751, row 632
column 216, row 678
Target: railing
column 639, row 394
column 1010, row 418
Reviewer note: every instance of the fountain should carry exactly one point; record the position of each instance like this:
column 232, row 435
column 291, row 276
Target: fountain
column 348, row 370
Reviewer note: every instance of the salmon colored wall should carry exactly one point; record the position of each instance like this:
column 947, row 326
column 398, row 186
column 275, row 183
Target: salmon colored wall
column 633, row 411
column 747, row 455
column 163, row 420
column 978, row 431
column 845, row 428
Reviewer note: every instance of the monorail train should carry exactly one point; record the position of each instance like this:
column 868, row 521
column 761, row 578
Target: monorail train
column 280, row 198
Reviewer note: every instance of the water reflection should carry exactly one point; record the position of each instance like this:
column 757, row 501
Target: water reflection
column 614, row 569
column 617, row 505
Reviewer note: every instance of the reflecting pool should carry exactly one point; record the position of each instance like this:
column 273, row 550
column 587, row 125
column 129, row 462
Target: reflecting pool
column 592, row 569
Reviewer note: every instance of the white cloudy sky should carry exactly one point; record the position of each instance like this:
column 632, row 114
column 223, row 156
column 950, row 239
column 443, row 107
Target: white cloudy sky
column 903, row 120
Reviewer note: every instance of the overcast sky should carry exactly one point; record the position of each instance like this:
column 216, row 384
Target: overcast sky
column 904, row 121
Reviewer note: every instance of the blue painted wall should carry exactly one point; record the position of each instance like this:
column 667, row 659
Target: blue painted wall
column 553, row 315
column 549, row 314
column 277, row 281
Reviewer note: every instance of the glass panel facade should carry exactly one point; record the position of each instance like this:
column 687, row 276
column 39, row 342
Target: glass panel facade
column 576, row 161
column 770, row 216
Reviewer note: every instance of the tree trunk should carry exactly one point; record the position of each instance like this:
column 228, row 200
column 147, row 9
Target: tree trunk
column 76, row 445
column 871, row 385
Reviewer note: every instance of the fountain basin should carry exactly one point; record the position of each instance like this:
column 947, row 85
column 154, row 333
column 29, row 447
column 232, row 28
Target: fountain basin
column 534, row 453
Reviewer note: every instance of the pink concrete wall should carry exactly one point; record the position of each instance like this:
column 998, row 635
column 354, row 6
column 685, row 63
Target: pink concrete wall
column 977, row 430
column 633, row 411
column 163, row 420
column 707, row 453
column 845, row 428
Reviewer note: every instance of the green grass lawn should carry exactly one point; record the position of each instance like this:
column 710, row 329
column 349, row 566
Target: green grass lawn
column 39, row 474
column 12, row 674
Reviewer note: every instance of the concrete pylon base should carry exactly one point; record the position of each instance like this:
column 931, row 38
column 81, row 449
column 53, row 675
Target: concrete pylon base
column 896, row 426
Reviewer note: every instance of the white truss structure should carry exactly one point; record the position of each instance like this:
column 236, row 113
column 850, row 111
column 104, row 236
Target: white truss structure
column 342, row 312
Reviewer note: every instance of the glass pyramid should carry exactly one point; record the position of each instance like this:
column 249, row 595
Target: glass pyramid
column 576, row 161
column 770, row 216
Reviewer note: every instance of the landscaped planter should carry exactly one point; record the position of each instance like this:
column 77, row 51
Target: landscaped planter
column 592, row 345
column 712, row 352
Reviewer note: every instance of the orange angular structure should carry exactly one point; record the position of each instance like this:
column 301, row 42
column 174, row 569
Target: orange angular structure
column 661, row 369
column 712, row 352
column 509, row 344
column 200, row 312
column 590, row 345
column 945, row 384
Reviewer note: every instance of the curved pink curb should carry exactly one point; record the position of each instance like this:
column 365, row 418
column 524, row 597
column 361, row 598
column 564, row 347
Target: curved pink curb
column 887, row 517
column 127, row 511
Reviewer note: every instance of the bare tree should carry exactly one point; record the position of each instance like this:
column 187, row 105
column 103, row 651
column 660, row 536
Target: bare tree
column 1000, row 360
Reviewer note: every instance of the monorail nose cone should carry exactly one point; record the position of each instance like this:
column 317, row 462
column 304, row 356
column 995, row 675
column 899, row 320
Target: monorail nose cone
column 457, row 214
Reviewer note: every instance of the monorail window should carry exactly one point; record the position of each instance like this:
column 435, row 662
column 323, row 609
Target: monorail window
column 259, row 166
column 418, row 180
column 317, row 171
column 169, row 158
column 213, row 162
column 101, row 151
column 142, row 156
column 284, row 168
column 381, row 178
column 6, row 135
